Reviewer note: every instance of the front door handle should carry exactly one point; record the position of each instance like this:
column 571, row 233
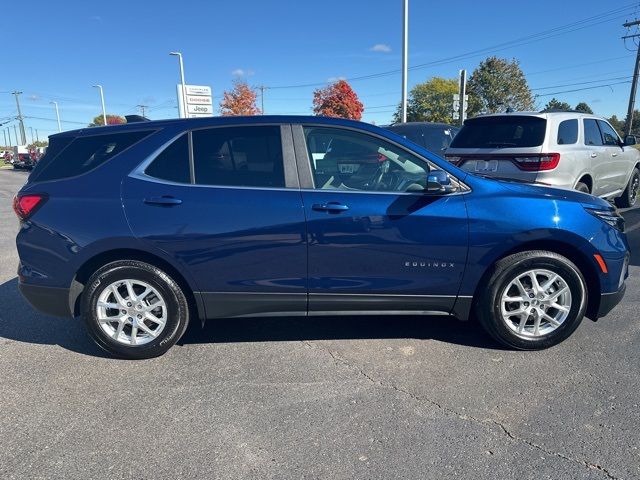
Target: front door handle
column 614, row 154
column 331, row 207
column 165, row 200
column 594, row 155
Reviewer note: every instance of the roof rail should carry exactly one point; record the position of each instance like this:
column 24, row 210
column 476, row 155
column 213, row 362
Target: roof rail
column 560, row 110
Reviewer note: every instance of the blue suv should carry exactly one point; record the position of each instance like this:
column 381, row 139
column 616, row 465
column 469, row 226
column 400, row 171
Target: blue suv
column 140, row 228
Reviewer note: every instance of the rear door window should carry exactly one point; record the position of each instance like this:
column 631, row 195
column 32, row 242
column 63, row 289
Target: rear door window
column 609, row 135
column 84, row 154
column 568, row 132
column 592, row 136
column 508, row 131
column 239, row 157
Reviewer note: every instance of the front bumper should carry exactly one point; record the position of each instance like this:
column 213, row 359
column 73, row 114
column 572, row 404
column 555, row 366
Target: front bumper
column 610, row 300
column 49, row 300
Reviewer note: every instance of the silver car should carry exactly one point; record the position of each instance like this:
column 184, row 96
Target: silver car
column 563, row 149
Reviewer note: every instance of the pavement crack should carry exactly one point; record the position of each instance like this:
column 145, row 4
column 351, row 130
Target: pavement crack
column 449, row 411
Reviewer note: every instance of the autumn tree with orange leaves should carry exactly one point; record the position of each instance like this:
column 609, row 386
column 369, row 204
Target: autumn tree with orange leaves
column 239, row 101
column 337, row 100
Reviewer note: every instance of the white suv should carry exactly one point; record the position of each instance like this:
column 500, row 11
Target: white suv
column 569, row 150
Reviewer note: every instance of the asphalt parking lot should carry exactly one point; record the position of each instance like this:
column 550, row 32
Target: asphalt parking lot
column 341, row 398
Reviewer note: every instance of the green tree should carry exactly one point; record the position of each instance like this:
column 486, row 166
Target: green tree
column 497, row 84
column 616, row 123
column 430, row 101
column 555, row 104
column 111, row 120
column 584, row 108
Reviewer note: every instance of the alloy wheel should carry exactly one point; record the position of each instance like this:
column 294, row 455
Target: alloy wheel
column 131, row 312
column 535, row 303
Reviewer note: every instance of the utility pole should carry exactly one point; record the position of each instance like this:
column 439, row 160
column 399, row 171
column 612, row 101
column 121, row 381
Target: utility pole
column 4, row 133
column 9, row 132
column 31, row 130
column 23, row 135
column 405, row 52
column 463, row 96
column 57, row 115
column 15, row 134
column 634, row 82
column 262, row 89
column 142, row 107
column 37, row 139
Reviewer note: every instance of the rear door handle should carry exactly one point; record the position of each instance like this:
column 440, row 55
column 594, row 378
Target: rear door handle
column 594, row 155
column 164, row 200
column 334, row 207
column 614, row 154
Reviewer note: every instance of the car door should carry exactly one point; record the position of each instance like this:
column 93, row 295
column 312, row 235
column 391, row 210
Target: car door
column 224, row 204
column 619, row 160
column 376, row 241
column 598, row 157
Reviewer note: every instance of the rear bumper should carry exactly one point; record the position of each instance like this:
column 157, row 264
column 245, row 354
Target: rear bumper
column 49, row 300
column 610, row 300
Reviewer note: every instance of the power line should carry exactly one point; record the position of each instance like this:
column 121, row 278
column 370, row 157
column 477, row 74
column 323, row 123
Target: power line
column 546, row 34
column 582, row 89
column 582, row 83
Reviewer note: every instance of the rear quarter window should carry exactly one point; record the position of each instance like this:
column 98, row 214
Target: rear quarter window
column 84, row 154
column 568, row 132
column 501, row 132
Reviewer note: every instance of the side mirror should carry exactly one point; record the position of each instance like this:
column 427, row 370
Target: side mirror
column 438, row 181
column 630, row 140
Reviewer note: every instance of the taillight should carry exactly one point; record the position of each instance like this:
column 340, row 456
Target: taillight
column 538, row 162
column 26, row 205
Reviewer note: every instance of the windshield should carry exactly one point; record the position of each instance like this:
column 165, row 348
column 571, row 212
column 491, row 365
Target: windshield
column 501, row 132
column 435, row 138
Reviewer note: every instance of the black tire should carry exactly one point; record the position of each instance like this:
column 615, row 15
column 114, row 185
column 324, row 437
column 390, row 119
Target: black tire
column 582, row 187
column 488, row 301
column 630, row 195
column 176, row 305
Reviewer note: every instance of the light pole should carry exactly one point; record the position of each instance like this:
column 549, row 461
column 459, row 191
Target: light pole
column 57, row 115
column 32, row 138
column 104, row 111
column 9, row 132
column 182, row 84
column 405, row 51
column 4, row 133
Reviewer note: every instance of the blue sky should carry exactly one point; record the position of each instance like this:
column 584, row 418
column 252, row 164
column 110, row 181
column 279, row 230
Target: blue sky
column 66, row 47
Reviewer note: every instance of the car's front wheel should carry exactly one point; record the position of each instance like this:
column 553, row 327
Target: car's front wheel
column 534, row 300
column 630, row 195
column 134, row 310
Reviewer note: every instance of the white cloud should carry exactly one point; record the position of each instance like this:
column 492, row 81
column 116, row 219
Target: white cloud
column 240, row 72
column 380, row 47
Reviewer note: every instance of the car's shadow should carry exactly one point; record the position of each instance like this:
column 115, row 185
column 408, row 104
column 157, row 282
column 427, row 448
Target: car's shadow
column 19, row 322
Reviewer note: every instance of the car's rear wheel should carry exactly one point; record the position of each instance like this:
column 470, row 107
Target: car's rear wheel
column 630, row 195
column 134, row 310
column 582, row 187
column 535, row 300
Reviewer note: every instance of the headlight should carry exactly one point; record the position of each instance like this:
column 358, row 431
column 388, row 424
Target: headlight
column 609, row 217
